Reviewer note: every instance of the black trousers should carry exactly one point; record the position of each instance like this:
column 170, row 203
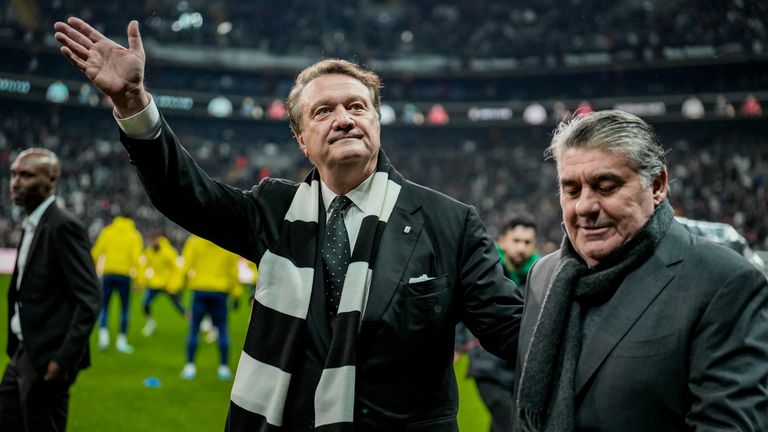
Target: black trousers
column 500, row 402
column 28, row 403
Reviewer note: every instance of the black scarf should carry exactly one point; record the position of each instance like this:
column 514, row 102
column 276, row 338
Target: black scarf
column 274, row 345
column 546, row 390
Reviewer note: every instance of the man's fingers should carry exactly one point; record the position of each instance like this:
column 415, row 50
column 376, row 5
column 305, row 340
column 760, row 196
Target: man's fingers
column 72, row 35
column 75, row 60
column 134, row 38
column 73, row 47
column 83, row 27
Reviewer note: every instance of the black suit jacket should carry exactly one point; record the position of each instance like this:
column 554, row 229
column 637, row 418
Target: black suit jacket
column 405, row 377
column 59, row 295
column 682, row 345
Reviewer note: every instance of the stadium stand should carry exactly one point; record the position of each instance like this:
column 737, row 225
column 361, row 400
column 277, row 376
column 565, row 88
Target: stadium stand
column 484, row 61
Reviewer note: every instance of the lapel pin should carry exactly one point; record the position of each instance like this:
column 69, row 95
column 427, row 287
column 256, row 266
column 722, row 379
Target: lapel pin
column 407, row 229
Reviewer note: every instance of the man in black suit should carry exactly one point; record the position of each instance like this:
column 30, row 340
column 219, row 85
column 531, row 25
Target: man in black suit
column 362, row 274
column 635, row 324
column 53, row 300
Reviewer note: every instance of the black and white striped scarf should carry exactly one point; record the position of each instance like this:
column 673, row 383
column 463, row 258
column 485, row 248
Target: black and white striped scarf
column 273, row 348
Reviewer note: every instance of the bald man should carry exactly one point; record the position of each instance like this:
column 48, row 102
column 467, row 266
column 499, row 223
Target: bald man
column 53, row 300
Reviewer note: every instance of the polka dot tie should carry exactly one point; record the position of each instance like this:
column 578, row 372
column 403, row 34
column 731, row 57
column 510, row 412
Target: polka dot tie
column 336, row 255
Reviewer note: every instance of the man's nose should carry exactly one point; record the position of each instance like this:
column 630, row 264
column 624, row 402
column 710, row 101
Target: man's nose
column 343, row 120
column 587, row 203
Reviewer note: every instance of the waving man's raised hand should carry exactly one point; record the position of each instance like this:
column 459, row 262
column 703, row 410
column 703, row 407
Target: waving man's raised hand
column 115, row 70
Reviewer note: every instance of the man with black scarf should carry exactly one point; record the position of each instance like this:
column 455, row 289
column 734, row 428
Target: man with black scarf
column 363, row 275
column 635, row 324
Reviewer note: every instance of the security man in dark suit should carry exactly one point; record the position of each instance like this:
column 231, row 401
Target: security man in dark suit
column 53, row 300
column 363, row 275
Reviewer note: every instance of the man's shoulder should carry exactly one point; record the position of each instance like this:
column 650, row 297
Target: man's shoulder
column 58, row 215
column 276, row 192
column 710, row 257
column 541, row 272
column 431, row 198
column 274, row 185
column 700, row 252
column 61, row 223
column 545, row 264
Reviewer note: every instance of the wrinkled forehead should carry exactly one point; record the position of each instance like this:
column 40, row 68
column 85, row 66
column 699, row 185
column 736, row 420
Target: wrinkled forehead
column 592, row 158
column 334, row 87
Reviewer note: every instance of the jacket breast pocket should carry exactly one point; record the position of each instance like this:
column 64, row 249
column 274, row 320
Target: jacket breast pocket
column 427, row 288
column 426, row 303
column 647, row 347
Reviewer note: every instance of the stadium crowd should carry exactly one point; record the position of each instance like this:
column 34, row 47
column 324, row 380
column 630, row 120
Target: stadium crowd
column 540, row 36
column 717, row 176
column 719, row 171
column 391, row 29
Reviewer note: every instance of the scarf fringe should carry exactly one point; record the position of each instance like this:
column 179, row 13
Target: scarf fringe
column 530, row 421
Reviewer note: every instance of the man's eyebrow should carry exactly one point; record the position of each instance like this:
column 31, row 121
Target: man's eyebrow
column 608, row 176
column 332, row 100
column 600, row 177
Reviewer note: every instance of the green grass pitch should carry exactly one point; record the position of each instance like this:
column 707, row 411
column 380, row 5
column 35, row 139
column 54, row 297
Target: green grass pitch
column 111, row 395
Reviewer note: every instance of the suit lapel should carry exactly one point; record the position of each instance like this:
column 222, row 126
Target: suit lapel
column 631, row 300
column 40, row 231
column 397, row 242
column 16, row 261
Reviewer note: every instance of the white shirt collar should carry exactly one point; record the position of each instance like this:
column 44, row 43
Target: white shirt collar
column 30, row 222
column 358, row 195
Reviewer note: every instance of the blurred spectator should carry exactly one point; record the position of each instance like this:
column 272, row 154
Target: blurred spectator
column 724, row 108
column 560, row 112
column 584, row 108
column 692, row 108
column 751, row 107
column 535, row 114
column 438, row 115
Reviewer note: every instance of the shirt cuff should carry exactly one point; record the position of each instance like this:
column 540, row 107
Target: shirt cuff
column 145, row 124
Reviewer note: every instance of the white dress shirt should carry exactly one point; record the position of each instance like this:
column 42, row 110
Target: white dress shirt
column 353, row 218
column 146, row 125
column 30, row 224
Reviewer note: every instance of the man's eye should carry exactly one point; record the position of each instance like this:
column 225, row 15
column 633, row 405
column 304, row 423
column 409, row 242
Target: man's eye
column 321, row 111
column 571, row 192
column 357, row 107
column 604, row 189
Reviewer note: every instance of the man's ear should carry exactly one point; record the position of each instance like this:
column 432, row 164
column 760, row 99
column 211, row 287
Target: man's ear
column 660, row 187
column 300, row 140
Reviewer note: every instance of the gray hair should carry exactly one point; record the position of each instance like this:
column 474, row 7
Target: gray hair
column 330, row 67
column 613, row 131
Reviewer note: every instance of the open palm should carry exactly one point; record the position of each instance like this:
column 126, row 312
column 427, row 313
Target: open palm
column 115, row 70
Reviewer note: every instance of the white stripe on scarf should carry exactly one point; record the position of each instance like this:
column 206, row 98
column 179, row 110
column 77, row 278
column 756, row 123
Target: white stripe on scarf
column 261, row 388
